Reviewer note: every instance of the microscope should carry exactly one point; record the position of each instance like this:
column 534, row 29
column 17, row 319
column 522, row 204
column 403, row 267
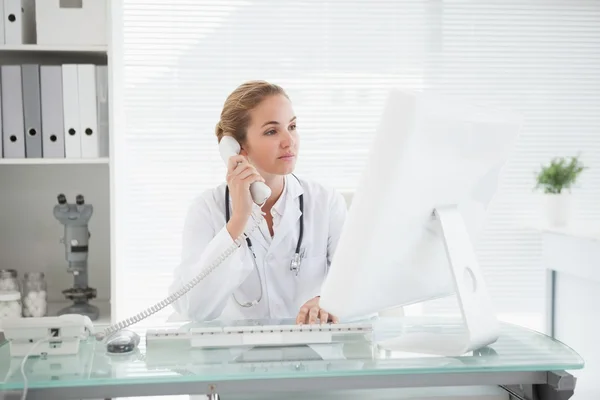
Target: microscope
column 75, row 218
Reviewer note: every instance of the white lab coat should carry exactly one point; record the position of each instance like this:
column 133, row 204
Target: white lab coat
column 205, row 237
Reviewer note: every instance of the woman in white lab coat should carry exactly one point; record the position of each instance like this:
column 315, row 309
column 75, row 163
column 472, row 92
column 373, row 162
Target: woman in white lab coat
column 259, row 115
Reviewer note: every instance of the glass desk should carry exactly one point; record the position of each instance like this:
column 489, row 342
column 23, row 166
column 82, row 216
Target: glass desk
column 523, row 362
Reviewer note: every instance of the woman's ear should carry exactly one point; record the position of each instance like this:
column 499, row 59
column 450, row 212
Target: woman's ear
column 243, row 152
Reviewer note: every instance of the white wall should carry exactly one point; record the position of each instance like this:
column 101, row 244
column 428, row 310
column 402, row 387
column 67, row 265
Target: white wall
column 29, row 234
column 490, row 52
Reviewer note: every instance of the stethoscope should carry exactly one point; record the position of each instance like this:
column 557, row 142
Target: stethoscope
column 296, row 259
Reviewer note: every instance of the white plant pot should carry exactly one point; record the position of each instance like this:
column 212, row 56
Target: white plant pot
column 557, row 208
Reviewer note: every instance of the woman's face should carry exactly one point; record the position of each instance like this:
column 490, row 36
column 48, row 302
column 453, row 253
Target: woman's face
column 271, row 140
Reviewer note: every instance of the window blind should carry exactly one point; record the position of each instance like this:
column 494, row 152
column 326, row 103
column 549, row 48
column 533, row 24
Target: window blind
column 179, row 59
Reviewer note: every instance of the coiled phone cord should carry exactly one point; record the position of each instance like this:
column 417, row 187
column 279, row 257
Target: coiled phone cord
column 186, row 288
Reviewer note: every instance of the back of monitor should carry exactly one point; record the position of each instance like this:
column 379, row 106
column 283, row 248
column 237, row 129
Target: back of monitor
column 430, row 152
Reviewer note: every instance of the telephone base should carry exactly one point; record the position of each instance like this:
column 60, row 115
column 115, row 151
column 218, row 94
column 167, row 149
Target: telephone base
column 50, row 335
column 61, row 347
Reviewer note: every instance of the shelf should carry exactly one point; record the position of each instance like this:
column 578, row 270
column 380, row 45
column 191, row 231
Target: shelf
column 35, row 48
column 52, row 161
column 103, row 322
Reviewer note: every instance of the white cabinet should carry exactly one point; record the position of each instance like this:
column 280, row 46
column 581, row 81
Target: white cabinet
column 572, row 258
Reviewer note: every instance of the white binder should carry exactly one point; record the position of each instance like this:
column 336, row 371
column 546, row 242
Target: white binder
column 72, row 125
column 2, row 40
column 13, row 126
column 1, row 123
column 19, row 21
column 51, row 92
column 86, row 75
column 13, row 22
column 102, row 102
column 30, row 73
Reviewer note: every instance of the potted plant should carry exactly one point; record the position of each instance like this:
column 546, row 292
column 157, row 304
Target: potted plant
column 556, row 179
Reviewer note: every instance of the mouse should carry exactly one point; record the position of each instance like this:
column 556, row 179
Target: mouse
column 122, row 342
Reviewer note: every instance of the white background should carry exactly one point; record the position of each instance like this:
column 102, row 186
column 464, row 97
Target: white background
column 177, row 61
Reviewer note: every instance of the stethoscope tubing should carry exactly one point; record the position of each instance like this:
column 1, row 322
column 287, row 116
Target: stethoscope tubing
column 294, row 265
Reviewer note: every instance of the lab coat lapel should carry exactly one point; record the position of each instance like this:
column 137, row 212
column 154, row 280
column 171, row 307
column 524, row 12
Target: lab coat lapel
column 290, row 220
column 256, row 236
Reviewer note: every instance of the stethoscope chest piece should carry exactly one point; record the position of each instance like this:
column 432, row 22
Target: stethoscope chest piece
column 295, row 264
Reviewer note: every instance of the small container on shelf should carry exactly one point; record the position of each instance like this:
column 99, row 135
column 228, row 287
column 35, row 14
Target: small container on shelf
column 71, row 22
column 10, row 294
column 35, row 302
column 10, row 304
column 9, row 281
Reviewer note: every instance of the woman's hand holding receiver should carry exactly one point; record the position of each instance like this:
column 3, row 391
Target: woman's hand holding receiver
column 240, row 175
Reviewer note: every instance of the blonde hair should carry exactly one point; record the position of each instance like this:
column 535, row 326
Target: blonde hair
column 235, row 116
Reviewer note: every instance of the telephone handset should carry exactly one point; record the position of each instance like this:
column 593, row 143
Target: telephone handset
column 229, row 147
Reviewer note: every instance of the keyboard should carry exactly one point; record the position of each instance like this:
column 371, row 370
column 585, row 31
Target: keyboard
column 260, row 335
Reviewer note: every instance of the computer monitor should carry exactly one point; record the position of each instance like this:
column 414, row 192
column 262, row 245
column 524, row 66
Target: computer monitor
column 421, row 201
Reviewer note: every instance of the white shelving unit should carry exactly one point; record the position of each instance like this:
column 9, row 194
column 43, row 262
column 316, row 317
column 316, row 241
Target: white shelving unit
column 54, row 161
column 37, row 49
column 29, row 233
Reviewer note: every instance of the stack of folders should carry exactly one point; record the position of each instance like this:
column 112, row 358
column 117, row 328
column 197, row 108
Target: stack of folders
column 17, row 22
column 54, row 111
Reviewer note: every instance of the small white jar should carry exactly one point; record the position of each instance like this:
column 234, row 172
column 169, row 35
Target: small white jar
column 9, row 280
column 10, row 304
column 34, row 295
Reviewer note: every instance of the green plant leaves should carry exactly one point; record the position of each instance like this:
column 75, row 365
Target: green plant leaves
column 561, row 174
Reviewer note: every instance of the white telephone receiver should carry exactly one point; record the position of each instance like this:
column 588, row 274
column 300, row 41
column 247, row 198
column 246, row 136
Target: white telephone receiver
column 228, row 147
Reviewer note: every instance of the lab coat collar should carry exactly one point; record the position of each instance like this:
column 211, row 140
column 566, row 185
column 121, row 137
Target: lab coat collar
column 291, row 213
column 295, row 189
column 289, row 209
column 279, row 206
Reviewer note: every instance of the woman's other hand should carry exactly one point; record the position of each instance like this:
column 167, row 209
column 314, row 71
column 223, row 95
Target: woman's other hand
column 310, row 312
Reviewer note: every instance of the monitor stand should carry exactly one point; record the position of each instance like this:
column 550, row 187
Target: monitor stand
column 479, row 323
